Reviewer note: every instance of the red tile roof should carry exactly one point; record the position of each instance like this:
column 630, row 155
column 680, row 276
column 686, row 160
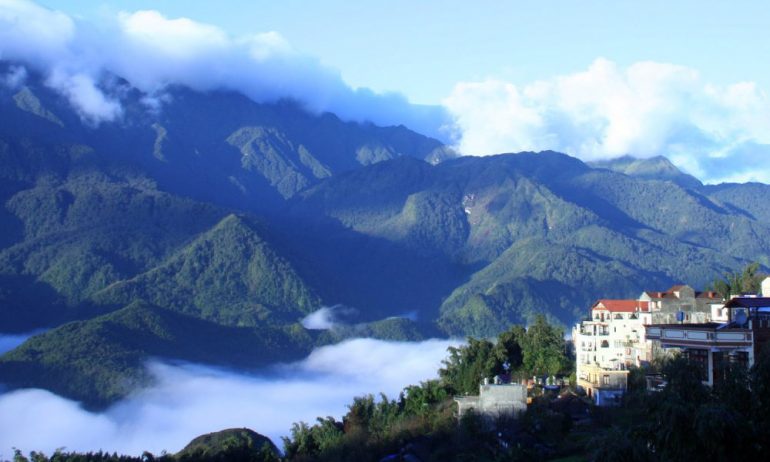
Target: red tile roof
column 620, row 306
column 708, row 294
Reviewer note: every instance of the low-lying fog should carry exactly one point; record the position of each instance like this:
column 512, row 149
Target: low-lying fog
column 189, row 400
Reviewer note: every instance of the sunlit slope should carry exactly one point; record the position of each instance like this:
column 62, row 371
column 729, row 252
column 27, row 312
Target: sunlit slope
column 543, row 232
column 228, row 274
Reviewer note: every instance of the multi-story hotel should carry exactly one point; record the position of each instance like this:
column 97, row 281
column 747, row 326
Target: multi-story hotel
column 614, row 336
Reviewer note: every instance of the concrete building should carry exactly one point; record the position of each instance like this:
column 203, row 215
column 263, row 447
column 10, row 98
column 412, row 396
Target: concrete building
column 613, row 338
column 696, row 307
column 610, row 339
column 714, row 345
column 495, row 399
column 604, row 386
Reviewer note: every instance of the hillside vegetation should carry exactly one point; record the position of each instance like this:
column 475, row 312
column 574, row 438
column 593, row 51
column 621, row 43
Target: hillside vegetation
column 239, row 215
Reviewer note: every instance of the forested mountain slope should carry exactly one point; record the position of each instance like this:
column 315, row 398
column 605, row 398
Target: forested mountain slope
column 218, row 213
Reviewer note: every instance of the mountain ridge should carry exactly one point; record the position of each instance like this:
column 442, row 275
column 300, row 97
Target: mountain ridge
column 232, row 216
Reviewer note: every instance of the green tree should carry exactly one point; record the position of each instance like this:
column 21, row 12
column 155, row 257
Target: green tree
column 508, row 350
column 543, row 349
column 419, row 400
column 301, row 444
column 618, row 445
column 749, row 280
column 467, row 365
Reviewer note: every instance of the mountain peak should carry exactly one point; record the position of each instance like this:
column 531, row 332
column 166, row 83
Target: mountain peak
column 653, row 168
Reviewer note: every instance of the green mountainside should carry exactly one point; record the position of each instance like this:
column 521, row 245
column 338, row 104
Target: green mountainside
column 102, row 359
column 229, row 275
column 237, row 219
column 543, row 232
column 747, row 199
column 78, row 235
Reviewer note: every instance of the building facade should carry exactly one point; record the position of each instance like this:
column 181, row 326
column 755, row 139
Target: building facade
column 494, row 399
column 614, row 337
column 695, row 307
column 610, row 338
column 715, row 346
column 604, row 386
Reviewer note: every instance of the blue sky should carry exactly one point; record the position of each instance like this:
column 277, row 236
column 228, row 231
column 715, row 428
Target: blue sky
column 688, row 80
column 423, row 48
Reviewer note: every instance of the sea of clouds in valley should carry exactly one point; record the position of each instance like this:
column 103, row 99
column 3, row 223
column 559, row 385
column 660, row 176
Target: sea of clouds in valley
column 189, row 400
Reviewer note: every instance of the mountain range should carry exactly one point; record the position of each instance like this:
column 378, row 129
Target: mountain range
column 205, row 226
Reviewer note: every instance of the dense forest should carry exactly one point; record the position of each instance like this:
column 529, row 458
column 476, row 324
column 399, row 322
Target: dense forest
column 238, row 219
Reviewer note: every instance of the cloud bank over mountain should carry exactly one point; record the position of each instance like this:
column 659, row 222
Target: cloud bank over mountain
column 715, row 132
column 152, row 52
column 718, row 133
column 190, row 400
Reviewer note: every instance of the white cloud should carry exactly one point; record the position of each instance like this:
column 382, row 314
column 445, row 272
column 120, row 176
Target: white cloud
column 191, row 400
column 606, row 111
column 81, row 90
column 321, row 319
column 178, row 38
column 327, row 317
column 152, row 51
column 15, row 77
column 33, row 33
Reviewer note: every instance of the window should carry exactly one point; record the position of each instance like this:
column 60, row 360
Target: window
column 618, row 316
column 700, row 358
column 741, row 358
column 606, row 380
column 605, row 344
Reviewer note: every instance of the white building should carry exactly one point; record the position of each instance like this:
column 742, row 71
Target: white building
column 614, row 337
column 611, row 339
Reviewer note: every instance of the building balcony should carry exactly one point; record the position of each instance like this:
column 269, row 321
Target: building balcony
column 707, row 335
column 591, row 333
